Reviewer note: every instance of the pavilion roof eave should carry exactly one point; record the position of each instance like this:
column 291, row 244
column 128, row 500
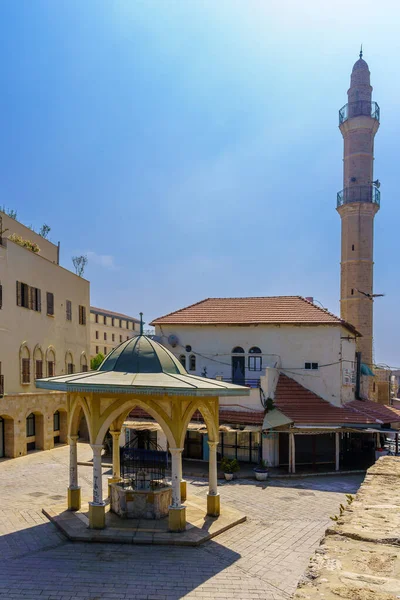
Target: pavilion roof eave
column 141, row 384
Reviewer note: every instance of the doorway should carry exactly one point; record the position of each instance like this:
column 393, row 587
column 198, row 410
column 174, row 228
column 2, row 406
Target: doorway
column 238, row 366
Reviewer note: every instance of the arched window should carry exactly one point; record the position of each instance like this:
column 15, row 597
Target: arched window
column 182, row 360
column 30, row 425
column 25, row 358
column 38, row 362
column 255, row 362
column 56, row 421
column 84, row 365
column 192, row 362
column 51, row 361
column 69, row 363
column 238, row 350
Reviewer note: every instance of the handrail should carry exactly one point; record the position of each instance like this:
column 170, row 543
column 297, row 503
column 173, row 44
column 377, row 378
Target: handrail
column 359, row 193
column 365, row 108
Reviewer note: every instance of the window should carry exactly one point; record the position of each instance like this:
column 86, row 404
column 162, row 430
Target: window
column 56, row 421
column 352, row 291
column 127, row 324
column 105, row 350
column 311, row 366
column 182, row 360
column 50, row 368
column 112, row 321
column 26, row 370
column 84, row 368
column 120, row 322
column 82, row 315
column 113, row 337
column 238, row 350
column 70, row 368
column 120, row 338
column 352, row 247
column 255, row 362
column 50, row 303
column 105, row 335
column 28, row 297
column 105, row 320
column 84, row 365
column 68, row 308
column 192, row 362
column 97, row 349
column 97, row 335
column 127, row 337
column 38, row 369
column 96, row 318
column 30, row 425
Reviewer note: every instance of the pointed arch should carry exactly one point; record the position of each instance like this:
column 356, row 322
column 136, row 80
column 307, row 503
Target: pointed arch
column 78, row 408
column 83, row 366
column 50, row 358
column 69, row 363
column 25, row 363
column 209, row 412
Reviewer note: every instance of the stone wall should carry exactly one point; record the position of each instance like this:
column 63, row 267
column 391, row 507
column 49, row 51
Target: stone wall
column 14, row 408
column 359, row 558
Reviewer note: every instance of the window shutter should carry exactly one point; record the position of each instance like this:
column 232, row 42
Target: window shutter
column 39, row 300
column 19, row 293
column 83, row 315
column 1, row 296
column 50, row 303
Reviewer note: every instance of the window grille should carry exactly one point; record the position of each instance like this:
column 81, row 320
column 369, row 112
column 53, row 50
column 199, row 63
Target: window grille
column 38, row 369
column 70, row 368
column 255, row 363
column 26, row 370
column 30, row 425
column 56, row 421
column 68, row 308
column 82, row 315
column 50, row 303
column 50, row 368
column 192, row 362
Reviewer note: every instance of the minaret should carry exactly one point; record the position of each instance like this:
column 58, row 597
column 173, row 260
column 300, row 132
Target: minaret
column 357, row 205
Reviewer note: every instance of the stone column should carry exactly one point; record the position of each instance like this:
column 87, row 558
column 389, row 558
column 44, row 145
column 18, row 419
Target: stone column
column 337, row 451
column 213, row 498
column 293, row 448
column 74, row 491
column 177, row 512
column 97, row 510
column 116, row 463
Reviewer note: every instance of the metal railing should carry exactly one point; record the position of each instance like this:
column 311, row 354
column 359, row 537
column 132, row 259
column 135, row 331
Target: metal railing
column 359, row 108
column 1, row 385
column 251, row 383
column 359, row 193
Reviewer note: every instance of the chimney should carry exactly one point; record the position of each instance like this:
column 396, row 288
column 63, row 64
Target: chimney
column 310, row 299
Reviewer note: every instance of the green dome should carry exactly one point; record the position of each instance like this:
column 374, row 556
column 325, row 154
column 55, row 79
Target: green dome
column 141, row 354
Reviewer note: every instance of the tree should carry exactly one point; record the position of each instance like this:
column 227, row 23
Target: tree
column 80, row 263
column 44, row 230
column 10, row 212
column 96, row 361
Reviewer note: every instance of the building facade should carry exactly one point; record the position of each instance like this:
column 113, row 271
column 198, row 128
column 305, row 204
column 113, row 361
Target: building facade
column 44, row 331
column 357, row 205
column 108, row 329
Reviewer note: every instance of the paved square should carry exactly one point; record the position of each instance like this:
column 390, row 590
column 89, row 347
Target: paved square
column 261, row 559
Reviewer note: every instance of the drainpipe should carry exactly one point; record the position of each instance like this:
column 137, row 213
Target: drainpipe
column 358, row 375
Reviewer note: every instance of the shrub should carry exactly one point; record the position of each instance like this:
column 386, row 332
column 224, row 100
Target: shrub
column 230, row 466
column 25, row 243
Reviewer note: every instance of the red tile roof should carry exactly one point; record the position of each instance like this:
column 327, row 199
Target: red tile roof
column 237, row 311
column 245, row 417
column 386, row 414
column 306, row 408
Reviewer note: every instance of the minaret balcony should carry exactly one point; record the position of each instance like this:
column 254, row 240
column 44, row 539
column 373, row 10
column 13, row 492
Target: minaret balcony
column 359, row 108
column 359, row 193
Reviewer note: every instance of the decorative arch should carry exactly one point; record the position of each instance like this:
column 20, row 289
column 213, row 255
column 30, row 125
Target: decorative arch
column 117, row 410
column 79, row 407
column 24, row 350
column 238, row 350
column 209, row 412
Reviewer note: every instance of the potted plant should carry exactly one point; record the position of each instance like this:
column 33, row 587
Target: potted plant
column 229, row 467
column 261, row 470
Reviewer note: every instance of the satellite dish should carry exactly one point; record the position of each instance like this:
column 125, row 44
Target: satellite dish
column 156, row 338
column 173, row 340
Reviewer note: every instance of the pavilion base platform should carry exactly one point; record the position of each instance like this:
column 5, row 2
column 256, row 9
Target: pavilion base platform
column 199, row 527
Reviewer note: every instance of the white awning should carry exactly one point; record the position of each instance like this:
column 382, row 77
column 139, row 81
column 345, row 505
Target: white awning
column 144, row 424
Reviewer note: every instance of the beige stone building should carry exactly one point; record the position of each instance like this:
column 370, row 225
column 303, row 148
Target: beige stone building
column 44, row 331
column 108, row 329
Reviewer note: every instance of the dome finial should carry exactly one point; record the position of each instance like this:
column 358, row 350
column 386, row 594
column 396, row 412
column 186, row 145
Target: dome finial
column 141, row 323
column 361, row 52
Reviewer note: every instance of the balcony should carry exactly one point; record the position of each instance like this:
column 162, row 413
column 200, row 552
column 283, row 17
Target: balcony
column 359, row 193
column 360, row 108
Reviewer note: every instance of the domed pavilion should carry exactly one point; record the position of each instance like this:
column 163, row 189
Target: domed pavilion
column 140, row 372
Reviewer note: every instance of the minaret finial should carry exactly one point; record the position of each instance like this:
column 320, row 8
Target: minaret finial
column 141, row 323
column 361, row 52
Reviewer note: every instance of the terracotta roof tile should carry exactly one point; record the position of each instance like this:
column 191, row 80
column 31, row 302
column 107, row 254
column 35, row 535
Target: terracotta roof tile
column 386, row 414
column 238, row 311
column 306, row 408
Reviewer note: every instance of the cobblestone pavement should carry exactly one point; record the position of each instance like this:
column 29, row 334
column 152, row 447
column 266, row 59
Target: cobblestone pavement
column 260, row 559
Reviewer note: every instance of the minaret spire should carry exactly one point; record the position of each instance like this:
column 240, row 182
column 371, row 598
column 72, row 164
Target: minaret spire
column 361, row 52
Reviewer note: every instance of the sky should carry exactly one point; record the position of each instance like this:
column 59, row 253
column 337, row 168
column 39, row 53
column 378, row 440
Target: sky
column 190, row 148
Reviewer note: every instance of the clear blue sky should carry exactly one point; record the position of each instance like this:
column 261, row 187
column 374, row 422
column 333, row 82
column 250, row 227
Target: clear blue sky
column 191, row 147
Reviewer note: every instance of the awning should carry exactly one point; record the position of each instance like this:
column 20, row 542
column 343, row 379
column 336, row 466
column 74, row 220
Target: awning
column 275, row 418
column 365, row 370
column 144, row 424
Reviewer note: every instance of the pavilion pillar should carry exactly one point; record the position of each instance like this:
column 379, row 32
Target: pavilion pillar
column 337, row 451
column 74, row 491
column 116, row 462
column 97, row 508
column 213, row 498
column 397, row 444
column 177, row 512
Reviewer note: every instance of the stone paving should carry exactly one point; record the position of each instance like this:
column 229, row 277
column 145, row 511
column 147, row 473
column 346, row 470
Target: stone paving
column 261, row 559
